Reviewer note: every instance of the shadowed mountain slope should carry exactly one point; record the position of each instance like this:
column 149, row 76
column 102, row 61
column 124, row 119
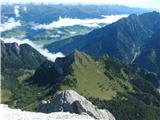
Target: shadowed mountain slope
column 125, row 39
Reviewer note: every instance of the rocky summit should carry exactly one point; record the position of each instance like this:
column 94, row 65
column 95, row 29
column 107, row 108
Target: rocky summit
column 8, row 113
column 71, row 101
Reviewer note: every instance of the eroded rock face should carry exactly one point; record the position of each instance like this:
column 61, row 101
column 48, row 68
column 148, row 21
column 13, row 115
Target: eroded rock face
column 70, row 101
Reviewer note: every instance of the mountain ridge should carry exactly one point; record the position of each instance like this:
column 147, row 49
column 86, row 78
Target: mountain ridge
column 17, row 52
column 123, row 39
column 101, row 80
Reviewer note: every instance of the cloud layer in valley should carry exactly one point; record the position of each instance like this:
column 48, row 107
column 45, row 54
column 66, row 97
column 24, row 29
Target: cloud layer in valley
column 64, row 22
column 9, row 25
column 39, row 48
column 16, row 11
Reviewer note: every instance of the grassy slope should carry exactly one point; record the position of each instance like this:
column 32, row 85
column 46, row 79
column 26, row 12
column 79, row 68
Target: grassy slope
column 112, row 85
column 106, row 82
column 17, row 67
column 92, row 80
column 5, row 95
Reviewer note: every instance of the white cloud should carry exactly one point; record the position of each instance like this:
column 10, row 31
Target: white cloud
column 25, row 9
column 64, row 22
column 16, row 11
column 55, row 36
column 39, row 48
column 10, row 24
column 72, row 33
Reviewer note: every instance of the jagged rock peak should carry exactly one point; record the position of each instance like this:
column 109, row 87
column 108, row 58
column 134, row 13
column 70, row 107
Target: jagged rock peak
column 64, row 65
column 71, row 101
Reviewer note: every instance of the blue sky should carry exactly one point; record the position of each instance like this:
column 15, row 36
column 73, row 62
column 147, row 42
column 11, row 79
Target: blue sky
column 132, row 3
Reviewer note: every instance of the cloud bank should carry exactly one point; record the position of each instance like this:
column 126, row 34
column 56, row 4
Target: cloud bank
column 9, row 25
column 64, row 22
column 25, row 9
column 16, row 11
column 39, row 48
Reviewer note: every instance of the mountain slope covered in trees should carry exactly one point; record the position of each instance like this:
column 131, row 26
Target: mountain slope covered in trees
column 125, row 39
column 104, row 81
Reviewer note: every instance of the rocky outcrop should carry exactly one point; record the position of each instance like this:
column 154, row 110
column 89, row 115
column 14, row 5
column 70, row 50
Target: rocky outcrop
column 17, row 114
column 70, row 101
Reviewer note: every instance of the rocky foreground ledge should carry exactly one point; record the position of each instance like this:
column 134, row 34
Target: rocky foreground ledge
column 7, row 113
column 66, row 105
column 71, row 101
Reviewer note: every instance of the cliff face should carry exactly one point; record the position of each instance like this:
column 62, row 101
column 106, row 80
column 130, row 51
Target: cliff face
column 70, row 101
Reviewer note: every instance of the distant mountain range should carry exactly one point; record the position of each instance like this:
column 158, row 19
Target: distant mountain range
column 106, row 82
column 115, row 67
column 125, row 40
column 20, row 20
column 44, row 14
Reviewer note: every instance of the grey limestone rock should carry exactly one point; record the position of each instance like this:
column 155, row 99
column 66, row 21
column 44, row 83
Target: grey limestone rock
column 71, row 101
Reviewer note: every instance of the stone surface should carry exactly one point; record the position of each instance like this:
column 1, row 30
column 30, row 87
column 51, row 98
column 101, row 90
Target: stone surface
column 70, row 101
column 7, row 113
